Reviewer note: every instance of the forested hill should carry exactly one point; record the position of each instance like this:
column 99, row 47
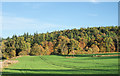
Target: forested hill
column 65, row 42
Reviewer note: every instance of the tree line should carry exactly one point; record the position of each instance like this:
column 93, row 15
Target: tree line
column 64, row 42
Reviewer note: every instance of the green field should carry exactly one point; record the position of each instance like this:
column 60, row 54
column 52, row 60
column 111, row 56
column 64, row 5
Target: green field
column 56, row 64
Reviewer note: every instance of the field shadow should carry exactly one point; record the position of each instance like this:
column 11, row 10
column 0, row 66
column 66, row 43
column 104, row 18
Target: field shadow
column 31, row 74
column 61, row 70
column 107, row 57
column 76, row 55
column 92, row 56
column 52, row 70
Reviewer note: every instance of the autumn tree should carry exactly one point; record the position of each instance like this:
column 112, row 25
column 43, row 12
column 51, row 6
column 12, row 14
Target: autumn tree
column 37, row 50
column 25, row 49
column 93, row 49
column 61, row 45
column 48, row 46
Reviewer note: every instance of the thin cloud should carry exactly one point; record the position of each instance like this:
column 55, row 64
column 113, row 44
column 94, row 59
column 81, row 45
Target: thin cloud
column 52, row 27
column 16, row 23
column 0, row 23
column 11, row 23
column 98, row 1
column 95, row 1
column 57, row 0
column 26, row 24
column 36, row 5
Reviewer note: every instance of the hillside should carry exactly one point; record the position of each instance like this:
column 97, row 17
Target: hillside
column 64, row 42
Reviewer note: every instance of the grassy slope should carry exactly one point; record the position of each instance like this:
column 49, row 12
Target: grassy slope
column 53, row 64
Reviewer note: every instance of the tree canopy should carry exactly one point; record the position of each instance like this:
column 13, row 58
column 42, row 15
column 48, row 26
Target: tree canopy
column 64, row 42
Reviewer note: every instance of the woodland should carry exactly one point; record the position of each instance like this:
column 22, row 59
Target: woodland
column 90, row 40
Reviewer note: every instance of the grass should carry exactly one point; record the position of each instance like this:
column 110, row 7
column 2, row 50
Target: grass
column 57, row 65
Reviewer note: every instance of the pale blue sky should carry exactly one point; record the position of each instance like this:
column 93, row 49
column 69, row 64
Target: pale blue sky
column 20, row 17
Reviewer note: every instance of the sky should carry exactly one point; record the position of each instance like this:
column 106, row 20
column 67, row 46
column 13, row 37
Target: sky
column 21, row 17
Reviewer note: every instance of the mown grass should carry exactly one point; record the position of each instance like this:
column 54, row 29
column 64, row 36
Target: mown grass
column 57, row 65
